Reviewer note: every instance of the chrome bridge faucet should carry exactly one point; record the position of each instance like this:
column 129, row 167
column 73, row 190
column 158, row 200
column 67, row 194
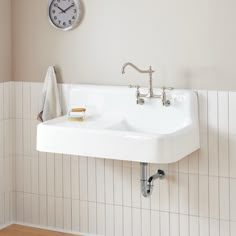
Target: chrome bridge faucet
column 150, row 94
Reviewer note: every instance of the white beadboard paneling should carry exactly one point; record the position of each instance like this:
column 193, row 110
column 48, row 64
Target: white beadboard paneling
column 27, row 207
column 203, row 196
column 42, row 173
column 183, row 225
column 33, row 138
column 194, row 226
column 232, row 134
column 127, row 185
column 92, row 180
column 7, row 207
column 75, row 177
column 26, row 137
column 127, row 221
column 59, row 213
column 92, row 218
column 155, row 223
column 27, row 175
column 35, row 209
column 1, row 101
column 118, row 182
column 174, row 191
column 165, row 223
column 75, row 215
column 136, row 222
column 225, row 228
column 84, row 218
column 223, row 124
column 83, row 178
column 213, row 133
column 174, row 225
column 26, row 101
column 66, row 176
column 224, row 198
column 110, row 220
column 2, row 138
column 205, row 201
column 50, row 174
column 101, row 219
column 58, row 176
column 214, row 197
column 35, row 96
column 233, row 199
column 232, row 228
column 67, row 214
column 18, row 100
column 183, row 193
column 109, row 183
column 193, row 195
column 35, row 175
column 19, row 137
column 118, row 221
column 100, row 180
column 51, row 211
column 19, row 206
column 6, row 99
column 43, row 219
column 19, row 173
column 203, row 118
column 2, row 209
column 193, row 163
column 214, row 227
column 146, row 222
column 203, row 226
column 183, row 165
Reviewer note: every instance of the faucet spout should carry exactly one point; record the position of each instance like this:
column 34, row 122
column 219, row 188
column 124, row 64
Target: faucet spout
column 149, row 71
column 136, row 68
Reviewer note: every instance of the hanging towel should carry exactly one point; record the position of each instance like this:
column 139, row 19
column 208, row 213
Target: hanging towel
column 50, row 105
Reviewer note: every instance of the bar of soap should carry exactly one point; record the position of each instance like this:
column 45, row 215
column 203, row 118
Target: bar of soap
column 78, row 110
column 76, row 114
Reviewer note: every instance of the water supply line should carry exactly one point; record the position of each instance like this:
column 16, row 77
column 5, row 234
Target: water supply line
column 147, row 182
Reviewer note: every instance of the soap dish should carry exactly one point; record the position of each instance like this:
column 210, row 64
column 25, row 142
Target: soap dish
column 76, row 114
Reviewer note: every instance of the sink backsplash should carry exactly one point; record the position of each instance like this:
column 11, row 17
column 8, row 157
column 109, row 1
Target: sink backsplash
column 102, row 197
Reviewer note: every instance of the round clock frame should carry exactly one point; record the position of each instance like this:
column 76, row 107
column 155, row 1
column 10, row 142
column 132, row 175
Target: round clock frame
column 76, row 21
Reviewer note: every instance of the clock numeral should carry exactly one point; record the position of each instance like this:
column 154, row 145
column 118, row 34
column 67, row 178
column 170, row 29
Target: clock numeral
column 53, row 11
column 73, row 17
column 75, row 10
column 59, row 22
column 55, row 18
column 64, row 23
column 70, row 22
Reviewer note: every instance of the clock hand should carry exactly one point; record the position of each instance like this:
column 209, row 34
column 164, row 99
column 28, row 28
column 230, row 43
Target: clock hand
column 68, row 8
column 62, row 11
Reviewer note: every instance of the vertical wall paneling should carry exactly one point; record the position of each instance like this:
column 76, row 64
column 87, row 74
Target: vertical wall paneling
column 101, row 196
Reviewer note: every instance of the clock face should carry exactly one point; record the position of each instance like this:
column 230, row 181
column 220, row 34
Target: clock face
column 64, row 14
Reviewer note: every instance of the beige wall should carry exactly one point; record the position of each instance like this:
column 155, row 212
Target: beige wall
column 5, row 40
column 190, row 43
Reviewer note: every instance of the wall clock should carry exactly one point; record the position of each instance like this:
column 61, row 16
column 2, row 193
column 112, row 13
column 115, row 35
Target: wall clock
column 64, row 14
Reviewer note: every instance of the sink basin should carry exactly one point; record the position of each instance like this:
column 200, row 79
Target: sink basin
column 116, row 127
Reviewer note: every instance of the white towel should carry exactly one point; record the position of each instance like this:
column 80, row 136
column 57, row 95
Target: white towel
column 50, row 106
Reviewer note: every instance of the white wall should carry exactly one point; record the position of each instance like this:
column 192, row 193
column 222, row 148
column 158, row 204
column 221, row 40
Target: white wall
column 191, row 44
column 7, row 154
column 5, row 40
column 102, row 197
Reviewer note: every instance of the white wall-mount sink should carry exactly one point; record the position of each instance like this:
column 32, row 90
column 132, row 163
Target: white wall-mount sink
column 117, row 128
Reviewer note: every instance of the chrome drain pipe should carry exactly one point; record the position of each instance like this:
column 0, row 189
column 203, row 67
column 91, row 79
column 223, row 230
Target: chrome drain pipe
column 147, row 182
